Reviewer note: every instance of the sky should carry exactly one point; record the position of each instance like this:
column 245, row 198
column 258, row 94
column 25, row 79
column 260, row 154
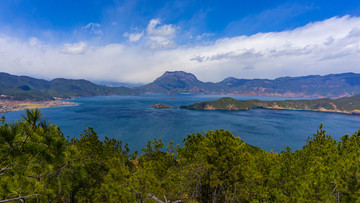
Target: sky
column 136, row 41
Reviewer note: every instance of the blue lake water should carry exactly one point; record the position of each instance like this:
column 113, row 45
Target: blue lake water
column 132, row 120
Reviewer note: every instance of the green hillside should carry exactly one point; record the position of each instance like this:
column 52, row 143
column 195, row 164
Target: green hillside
column 23, row 87
column 66, row 88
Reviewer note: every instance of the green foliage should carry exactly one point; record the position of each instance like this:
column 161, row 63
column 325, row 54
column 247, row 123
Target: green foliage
column 38, row 164
column 32, row 151
column 213, row 165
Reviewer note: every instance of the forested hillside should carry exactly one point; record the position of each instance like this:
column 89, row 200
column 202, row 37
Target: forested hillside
column 24, row 87
column 39, row 163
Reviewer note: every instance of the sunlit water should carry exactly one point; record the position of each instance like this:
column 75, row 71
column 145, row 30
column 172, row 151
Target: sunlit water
column 132, row 120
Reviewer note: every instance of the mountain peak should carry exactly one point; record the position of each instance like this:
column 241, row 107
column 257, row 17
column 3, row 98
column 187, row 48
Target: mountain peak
column 178, row 75
column 176, row 82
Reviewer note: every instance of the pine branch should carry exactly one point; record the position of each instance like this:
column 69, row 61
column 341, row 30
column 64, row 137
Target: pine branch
column 18, row 198
column 4, row 169
column 157, row 200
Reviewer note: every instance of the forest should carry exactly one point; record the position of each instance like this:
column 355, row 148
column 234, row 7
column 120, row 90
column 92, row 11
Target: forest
column 38, row 163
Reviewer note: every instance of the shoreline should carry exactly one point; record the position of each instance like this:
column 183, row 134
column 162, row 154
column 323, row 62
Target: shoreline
column 211, row 108
column 7, row 106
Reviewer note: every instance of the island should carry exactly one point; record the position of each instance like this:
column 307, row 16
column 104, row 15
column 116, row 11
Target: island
column 161, row 106
column 348, row 105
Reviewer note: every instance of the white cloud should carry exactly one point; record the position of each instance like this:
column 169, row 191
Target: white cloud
column 134, row 37
column 160, row 36
column 156, row 36
column 76, row 48
column 329, row 46
column 155, row 29
column 94, row 28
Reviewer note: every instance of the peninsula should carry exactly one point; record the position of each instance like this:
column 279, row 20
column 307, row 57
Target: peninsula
column 349, row 105
column 17, row 105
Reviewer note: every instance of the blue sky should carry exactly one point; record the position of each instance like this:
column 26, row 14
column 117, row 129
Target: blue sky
column 136, row 41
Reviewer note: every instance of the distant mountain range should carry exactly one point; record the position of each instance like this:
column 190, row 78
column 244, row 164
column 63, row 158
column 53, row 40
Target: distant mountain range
column 24, row 87
column 179, row 82
column 331, row 86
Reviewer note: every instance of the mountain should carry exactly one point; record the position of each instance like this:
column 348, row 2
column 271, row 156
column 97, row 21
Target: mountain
column 350, row 105
column 331, row 86
column 24, row 87
column 179, row 82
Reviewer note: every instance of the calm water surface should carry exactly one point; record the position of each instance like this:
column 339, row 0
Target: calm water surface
column 130, row 119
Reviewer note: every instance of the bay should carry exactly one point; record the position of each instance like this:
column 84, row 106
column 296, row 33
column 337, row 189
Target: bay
column 132, row 120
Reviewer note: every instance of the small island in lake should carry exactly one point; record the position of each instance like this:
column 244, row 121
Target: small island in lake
column 161, row 106
column 349, row 105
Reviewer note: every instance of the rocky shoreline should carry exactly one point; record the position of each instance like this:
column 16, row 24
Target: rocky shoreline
column 7, row 105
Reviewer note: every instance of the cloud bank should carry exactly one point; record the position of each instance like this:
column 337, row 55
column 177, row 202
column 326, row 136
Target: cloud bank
column 329, row 46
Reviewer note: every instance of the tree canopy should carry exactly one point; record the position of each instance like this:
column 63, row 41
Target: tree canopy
column 38, row 164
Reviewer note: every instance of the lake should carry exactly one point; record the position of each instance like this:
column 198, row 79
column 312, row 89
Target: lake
column 132, row 120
